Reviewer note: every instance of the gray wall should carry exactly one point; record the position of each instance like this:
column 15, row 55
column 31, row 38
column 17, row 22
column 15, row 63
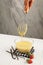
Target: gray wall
column 11, row 15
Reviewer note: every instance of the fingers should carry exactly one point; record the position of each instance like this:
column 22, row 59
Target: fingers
column 31, row 3
column 27, row 5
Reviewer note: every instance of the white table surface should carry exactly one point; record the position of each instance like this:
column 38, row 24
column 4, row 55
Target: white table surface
column 6, row 41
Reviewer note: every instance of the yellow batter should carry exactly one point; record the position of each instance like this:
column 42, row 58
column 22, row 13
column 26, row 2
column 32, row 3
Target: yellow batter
column 24, row 46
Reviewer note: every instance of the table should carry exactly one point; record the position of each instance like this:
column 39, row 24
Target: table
column 6, row 41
